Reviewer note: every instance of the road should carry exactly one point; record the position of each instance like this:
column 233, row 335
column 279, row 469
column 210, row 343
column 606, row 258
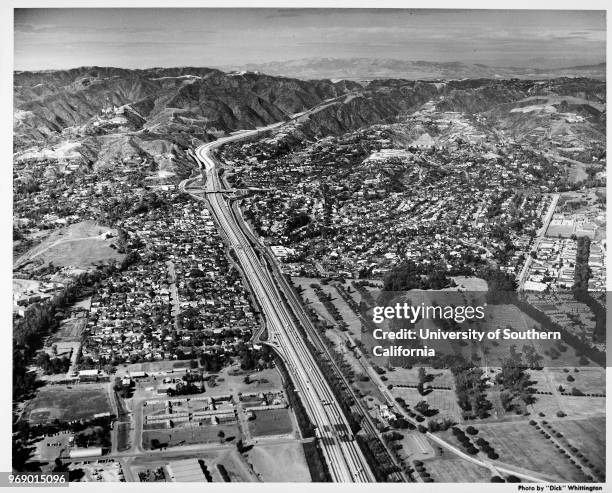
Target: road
column 342, row 453
column 547, row 218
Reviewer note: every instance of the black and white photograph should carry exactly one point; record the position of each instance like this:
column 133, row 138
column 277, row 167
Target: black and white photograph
column 300, row 244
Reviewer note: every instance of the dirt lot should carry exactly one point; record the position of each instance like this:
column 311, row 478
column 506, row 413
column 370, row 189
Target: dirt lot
column 49, row 448
column 67, row 404
column 271, row 422
column 279, row 463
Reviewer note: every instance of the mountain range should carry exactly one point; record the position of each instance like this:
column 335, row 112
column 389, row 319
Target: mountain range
column 385, row 68
column 101, row 115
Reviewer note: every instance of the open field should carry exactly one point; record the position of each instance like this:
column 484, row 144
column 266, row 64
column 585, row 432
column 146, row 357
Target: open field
column 587, row 435
column 416, row 446
column 470, row 283
column 80, row 253
column 518, row 444
column 589, row 380
column 70, row 330
column 502, row 316
column 271, row 422
column 79, row 245
column 455, row 470
column 574, row 407
column 279, row 463
column 190, row 435
column 67, row 404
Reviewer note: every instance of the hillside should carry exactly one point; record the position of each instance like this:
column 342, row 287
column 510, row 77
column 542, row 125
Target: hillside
column 105, row 117
column 49, row 102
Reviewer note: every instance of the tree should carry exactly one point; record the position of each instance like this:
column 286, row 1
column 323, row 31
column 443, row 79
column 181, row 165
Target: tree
column 422, row 407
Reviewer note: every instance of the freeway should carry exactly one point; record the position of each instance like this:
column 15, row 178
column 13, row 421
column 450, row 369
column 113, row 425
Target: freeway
column 367, row 424
column 342, row 453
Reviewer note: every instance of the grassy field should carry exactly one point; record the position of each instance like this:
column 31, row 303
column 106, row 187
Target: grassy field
column 70, row 330
column 279, row 463
column 67, row 404
column 517, row 444
column 416, row 446
column 271, row 422
column 455, row 470
column 589, row 380
column 80, row 245
column 188, row 436
column 574, row 407
column 587, row 435
column 81, row 253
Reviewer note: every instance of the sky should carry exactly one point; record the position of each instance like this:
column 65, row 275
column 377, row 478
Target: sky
column 141, row 38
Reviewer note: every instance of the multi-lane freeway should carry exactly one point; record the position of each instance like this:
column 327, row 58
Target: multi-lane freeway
column 344, row 458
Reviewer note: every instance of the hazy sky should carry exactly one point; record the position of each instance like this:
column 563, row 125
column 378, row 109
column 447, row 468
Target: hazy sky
column 65, row 38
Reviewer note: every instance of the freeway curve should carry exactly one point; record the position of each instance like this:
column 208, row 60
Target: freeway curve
column 342, row 453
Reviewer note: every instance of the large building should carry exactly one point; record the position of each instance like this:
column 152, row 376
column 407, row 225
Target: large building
column 186, row 471
column 81, row 453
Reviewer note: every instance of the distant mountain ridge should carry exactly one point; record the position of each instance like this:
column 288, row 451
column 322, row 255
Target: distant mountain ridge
column 385, row 68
